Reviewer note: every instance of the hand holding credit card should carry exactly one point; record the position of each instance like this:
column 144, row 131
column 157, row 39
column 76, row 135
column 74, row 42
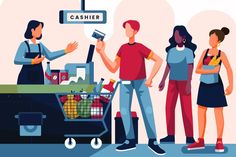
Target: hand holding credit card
column 98, row 35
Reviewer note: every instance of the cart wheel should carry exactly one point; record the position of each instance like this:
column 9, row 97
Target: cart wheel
column 70, row 143
column 96, row 143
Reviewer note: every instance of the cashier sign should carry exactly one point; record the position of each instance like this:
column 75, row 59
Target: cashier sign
column 83, row 17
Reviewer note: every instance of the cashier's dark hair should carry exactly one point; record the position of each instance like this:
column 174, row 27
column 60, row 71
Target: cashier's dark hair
column 33, row 24
column 184, row 33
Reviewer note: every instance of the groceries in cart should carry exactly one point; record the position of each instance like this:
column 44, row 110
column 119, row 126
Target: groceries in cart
column 88, row 108
column 76, row 106
column 70, row 107
column 98, row 88
column 87, row 105
column 84, row 108
column 97, row 109
column 107, row 90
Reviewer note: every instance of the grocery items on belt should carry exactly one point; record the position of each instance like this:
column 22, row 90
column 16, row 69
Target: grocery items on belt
column 96, row 109
column 106, row 90
column 71, row 107
column 63, row 76
column 55, row 76
column 97, row 89
column 48, row 75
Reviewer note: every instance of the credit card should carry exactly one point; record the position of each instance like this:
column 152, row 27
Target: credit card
column 98, row 35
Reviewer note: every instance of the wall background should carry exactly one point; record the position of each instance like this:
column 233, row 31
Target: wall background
column 157, row 17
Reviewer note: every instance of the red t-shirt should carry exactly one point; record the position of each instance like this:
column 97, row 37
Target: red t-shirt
column 132, row 63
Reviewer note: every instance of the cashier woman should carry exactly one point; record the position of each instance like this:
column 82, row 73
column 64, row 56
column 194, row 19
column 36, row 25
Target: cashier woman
column 32, row 52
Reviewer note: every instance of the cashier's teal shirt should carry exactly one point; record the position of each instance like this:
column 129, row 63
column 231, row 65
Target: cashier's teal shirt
column 20, row 55
column 178, row 61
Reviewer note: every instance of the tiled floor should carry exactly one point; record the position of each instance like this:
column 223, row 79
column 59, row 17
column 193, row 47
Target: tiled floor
column 57, row 150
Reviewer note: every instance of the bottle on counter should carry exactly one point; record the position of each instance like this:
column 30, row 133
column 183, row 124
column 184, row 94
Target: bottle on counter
column 48, row 75
column 107, row 90
column 98, row 88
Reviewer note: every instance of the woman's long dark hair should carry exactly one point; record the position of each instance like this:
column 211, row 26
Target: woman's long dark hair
column 184, row 33
column 33, row 24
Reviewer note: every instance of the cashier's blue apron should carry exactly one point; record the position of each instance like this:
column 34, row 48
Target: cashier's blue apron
column 31, row 74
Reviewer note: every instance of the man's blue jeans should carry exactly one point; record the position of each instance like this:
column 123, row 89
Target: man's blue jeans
column 142, row 92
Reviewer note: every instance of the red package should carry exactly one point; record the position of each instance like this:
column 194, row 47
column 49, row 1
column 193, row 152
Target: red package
column 77, row 98
column 63, row 99
column 97, row 109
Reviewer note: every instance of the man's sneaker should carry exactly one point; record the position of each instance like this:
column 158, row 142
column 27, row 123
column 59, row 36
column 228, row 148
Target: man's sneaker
column 219, row 148
column 168, row 139
column 197, row 145
column 152, row 144
column 126, row 146
column 190, row 140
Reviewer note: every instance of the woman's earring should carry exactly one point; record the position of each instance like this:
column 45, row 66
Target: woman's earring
column 184, row 41
column 218, row 45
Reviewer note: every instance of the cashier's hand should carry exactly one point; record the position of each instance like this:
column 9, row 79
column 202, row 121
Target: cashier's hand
column 38, row 59
column 71, row 47
column 100, row 46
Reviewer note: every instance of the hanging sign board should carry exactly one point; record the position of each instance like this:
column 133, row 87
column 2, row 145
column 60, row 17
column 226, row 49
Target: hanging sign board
column 83, row 16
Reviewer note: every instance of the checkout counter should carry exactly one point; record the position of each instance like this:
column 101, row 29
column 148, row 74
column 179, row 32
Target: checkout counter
column 42, row 98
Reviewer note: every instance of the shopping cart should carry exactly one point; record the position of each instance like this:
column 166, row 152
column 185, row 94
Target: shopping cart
column 89, row 104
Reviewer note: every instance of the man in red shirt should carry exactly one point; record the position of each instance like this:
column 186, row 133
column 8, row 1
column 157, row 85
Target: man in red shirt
column 131, row 61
